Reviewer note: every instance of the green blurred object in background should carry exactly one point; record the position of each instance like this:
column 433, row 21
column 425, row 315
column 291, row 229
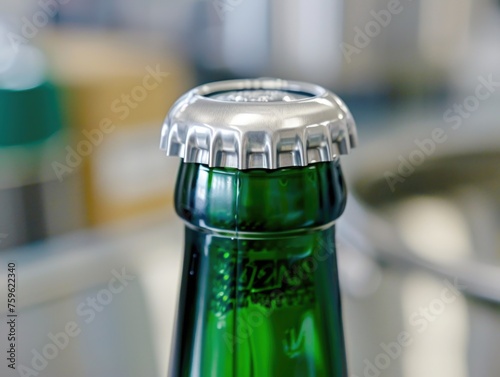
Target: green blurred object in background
column 259, row 188
column 29, row 116
column 35, row 203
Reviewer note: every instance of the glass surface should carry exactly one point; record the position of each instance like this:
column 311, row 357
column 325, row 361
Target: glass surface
column 260, row 293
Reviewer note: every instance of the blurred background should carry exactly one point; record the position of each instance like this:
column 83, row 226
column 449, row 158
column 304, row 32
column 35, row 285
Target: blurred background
column 86, row 195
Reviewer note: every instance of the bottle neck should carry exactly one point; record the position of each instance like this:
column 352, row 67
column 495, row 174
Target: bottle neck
column 260, row 307
column 260, row 201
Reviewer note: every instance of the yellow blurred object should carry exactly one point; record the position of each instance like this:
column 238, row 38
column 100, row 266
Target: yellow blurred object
column 118, row 89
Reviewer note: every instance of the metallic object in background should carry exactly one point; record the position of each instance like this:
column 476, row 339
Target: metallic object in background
column 304, row 41
column 436, row 238
column 402, row 47
column 34, row 203
column 297, row 40
column 482, row 47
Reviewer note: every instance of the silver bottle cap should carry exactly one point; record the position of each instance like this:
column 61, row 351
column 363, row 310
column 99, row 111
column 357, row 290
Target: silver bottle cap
column 258, row 124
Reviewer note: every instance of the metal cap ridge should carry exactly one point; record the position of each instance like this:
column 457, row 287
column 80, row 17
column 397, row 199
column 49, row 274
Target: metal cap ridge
column 258, row 124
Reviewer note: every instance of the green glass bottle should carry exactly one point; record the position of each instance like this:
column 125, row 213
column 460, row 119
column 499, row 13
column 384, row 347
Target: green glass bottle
column 260, row 292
